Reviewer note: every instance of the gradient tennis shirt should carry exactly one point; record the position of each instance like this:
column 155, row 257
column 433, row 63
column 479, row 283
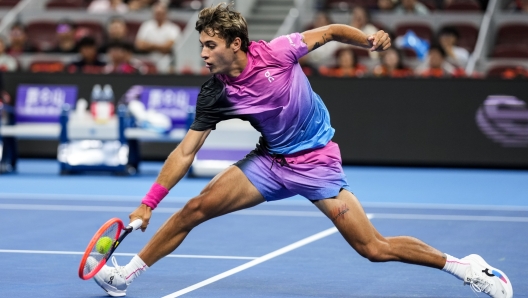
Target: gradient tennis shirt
column 273, row 94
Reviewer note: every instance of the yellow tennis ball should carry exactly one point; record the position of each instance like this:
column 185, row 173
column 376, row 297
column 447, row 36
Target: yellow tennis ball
column 103, row 245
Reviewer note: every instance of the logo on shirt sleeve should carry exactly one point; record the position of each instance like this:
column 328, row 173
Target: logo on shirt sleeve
column 291, row 41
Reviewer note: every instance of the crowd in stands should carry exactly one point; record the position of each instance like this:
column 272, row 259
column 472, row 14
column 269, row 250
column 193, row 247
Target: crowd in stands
column 92, row 51
column 447, row 53
column 147, row 48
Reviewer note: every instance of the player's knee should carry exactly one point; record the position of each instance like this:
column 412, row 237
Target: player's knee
column 372, row 251
column 193, row 211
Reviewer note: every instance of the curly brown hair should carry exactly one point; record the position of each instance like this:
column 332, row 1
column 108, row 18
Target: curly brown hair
column 223, row 20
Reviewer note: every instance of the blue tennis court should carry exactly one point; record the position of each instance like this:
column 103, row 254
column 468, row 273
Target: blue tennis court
column 281, row 249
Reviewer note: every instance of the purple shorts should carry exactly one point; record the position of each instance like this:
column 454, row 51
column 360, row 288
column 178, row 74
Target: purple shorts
column 314, row 174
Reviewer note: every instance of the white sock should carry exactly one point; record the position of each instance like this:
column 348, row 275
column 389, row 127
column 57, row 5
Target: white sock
column 456, row 267
column 134, row 268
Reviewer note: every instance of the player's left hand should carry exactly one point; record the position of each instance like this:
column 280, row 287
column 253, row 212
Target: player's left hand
column 379, row 42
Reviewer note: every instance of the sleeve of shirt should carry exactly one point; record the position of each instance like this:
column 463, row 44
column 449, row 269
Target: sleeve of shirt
column 289, row 48
column 207, row 112
column 142, row 32
column 174, row 32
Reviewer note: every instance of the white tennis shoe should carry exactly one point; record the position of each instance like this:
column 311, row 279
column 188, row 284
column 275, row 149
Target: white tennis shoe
column 110, row 279
column 483, row 278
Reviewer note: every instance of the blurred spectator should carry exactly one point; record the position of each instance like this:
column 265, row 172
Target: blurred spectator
column 321, row 18
column 448, row 38
column 66, row 42
column 158, row 36
column 519, row 6
column 18, row 42
column 138, row 5
column 7, row 62
column 361, row 20
column 120, row 59
column 107, row 6
column 386, row 5
column 88, row 62
column 437, row 66
column 412, row 7
column 347, row 65
column 323, row 56
column 116, row 30
column 392, row 65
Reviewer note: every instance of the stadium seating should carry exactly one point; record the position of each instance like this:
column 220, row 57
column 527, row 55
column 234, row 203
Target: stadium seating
column 510, row 51
column 512, row 33
column 8, row 3
column 41, row 34
column 66, row 4
column 95, row 29
column 463, row 5
column 47, row 66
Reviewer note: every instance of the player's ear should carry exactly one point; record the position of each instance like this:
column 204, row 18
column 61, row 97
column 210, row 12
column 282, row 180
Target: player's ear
column 236, row 44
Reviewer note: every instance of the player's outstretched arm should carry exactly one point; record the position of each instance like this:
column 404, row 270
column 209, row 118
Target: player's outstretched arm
column 318, row 37
column 174, row 168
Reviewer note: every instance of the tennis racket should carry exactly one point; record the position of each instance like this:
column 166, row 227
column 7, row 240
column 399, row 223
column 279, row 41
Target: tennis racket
column 92, row 260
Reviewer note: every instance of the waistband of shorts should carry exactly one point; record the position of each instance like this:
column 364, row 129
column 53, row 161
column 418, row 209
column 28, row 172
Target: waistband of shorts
column 302, row 152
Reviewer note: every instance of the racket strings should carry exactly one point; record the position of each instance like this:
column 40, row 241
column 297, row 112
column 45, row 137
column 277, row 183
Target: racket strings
column 95, row 257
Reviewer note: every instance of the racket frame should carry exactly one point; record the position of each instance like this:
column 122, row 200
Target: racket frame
column 93, row 242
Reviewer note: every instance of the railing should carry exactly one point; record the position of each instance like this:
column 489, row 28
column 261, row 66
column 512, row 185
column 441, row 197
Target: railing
column 484, row 38
column 291, row 22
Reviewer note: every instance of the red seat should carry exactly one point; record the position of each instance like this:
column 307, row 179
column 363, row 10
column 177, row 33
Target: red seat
column 468, row 35
column 463, row 5
column 186, row 4
column 431, row 4
column 66, row 4
column 180, row 24
column 512, row 33
column 132, row 29
column 510, row 51
column 46, row 66
column 41, row 34
column 507, row 71
column 95, row 29
column 360, row 52
column 344, row 4
column 8, row 3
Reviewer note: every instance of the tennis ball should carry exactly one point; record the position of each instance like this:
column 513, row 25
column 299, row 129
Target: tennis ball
column 103, row 245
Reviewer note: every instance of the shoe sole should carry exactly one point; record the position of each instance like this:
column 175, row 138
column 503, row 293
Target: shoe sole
column 482, row 262
column 108, row 289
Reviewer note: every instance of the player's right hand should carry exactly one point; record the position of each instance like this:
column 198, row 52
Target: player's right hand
column 144, row 213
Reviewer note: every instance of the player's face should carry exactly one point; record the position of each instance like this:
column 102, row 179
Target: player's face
column 217, row 57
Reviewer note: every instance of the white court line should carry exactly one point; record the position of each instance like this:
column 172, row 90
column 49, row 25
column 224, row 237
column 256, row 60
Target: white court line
column 56, row 252
column 255, row 262
column 109, row 198
column 260, row 212
column 449, row 217
column 158, row 210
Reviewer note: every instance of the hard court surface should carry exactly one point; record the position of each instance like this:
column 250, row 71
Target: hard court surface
column 279, row 249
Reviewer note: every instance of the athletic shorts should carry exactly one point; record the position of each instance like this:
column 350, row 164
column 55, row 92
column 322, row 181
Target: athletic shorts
column 314, row 174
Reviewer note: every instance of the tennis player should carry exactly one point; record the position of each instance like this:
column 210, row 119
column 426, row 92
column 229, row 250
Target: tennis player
column 263, row 83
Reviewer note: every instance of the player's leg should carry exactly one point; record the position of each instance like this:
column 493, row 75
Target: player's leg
column 227, row 192
column 348, row 216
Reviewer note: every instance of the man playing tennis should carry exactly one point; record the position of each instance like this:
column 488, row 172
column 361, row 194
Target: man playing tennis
column 262, row 83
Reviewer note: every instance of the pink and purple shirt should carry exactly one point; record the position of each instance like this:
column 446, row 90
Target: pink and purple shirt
column 273, row 94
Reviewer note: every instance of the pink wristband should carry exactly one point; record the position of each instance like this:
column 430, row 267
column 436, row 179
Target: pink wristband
column 156, row 193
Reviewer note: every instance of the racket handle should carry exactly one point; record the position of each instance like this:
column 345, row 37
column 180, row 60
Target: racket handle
column 136, row 224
